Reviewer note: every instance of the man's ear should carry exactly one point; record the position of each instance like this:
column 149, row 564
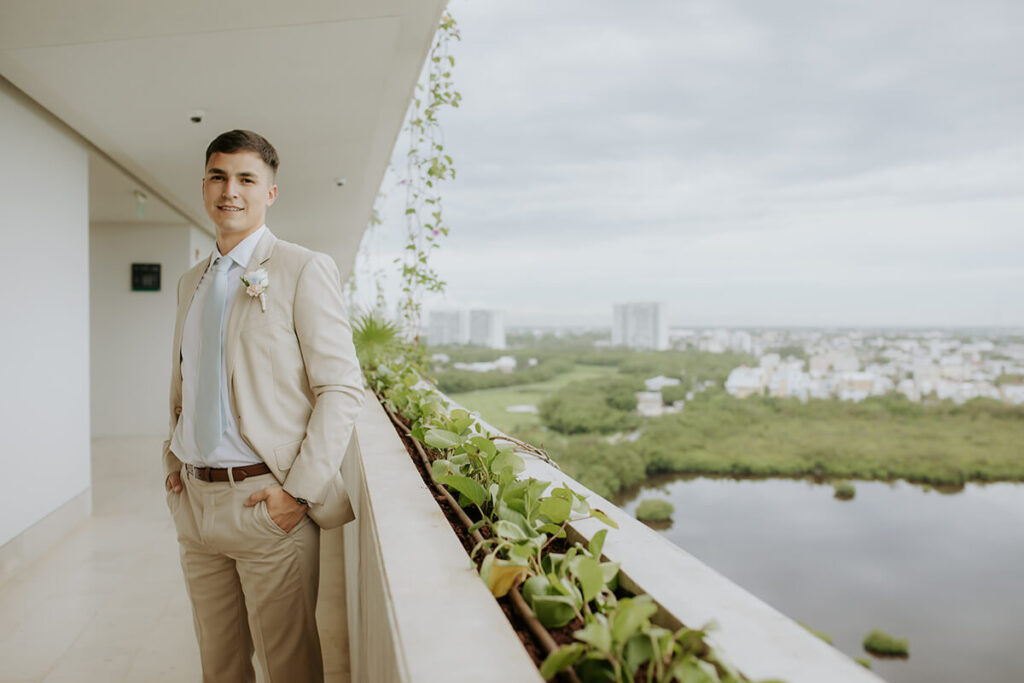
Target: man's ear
column 272, row 195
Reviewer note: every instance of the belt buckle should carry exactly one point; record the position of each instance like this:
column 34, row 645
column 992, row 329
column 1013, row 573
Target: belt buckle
column 200, row 473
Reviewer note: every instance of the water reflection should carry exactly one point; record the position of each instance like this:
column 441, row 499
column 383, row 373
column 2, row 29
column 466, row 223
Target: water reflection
column 945, row 571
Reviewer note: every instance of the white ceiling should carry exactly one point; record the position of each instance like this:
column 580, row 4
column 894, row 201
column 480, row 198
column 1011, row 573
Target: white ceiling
column 326, row 81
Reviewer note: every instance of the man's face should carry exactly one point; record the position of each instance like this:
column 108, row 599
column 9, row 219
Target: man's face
column 237, row 189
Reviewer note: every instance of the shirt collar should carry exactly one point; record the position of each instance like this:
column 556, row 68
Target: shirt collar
column 242, row 253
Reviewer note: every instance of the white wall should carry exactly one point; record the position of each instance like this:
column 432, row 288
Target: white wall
column 200, row 245
column 131, row 331
column 44, row 309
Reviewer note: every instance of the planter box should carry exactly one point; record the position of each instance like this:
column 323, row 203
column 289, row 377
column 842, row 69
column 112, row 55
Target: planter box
column 417, row 608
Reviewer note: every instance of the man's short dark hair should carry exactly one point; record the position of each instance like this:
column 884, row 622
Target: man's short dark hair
column 244, row 141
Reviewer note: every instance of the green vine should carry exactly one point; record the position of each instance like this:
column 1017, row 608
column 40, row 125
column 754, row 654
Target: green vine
column 427, row 165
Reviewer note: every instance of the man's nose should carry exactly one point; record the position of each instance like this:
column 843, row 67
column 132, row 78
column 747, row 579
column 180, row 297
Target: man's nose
column 230, row 188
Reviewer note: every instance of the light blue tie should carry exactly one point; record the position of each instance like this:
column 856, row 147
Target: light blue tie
column 209, row 402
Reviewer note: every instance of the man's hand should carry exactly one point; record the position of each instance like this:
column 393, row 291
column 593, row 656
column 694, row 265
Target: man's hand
column 173, row 482
column 284, row 510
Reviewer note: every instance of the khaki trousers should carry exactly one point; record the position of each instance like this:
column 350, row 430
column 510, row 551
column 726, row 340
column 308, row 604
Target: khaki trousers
column 252, row 586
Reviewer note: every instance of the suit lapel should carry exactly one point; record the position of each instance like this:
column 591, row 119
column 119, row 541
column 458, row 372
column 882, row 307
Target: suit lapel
column 188, row 287
column 243, row 307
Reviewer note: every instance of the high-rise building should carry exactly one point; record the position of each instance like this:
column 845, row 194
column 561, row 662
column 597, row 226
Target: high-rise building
column 640, row 326
column 487, row 328
column 447, row 327
column 479, row 327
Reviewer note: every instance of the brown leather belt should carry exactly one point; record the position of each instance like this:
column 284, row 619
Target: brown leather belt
column 221, row 473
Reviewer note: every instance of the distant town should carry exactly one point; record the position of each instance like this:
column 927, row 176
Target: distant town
column 805, row 364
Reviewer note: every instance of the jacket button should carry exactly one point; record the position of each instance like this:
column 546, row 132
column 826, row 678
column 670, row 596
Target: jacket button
column 177, row 411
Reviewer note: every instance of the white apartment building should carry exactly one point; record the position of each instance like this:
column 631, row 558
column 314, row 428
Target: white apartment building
column 640, row 326
column 743, row 382
column 487, row 328
column 477, row 326
column 447, row 328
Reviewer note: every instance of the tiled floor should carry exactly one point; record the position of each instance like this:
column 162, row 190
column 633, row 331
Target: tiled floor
column 108, row 603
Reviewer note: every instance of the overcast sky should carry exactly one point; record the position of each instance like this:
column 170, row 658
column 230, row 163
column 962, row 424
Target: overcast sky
column 747, row 163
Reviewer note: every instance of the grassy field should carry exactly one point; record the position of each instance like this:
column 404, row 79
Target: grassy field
column 492, row 403
column 871, row 440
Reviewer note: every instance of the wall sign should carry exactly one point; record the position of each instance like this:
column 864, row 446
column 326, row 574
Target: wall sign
column 145, row 277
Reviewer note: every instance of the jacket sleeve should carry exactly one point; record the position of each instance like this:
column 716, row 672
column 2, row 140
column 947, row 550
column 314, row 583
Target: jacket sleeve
column 335, row 380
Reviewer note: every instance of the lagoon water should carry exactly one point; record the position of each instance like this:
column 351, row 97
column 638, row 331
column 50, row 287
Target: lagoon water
column 945, row 570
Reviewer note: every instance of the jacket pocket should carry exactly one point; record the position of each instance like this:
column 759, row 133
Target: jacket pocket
column 285, row 455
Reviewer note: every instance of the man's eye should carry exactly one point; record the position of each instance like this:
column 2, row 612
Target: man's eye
column 247, row 180
column 216, row 177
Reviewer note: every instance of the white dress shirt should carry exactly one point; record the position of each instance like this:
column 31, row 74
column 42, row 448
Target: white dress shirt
column 233, row 451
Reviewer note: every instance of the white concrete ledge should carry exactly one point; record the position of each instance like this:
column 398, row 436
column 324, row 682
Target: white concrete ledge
column 418, row 610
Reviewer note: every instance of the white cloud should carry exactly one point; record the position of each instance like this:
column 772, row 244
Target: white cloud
column 751, row 163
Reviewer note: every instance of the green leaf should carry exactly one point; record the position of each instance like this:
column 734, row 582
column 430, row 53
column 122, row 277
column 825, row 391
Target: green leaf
column 604, row 518
column 637, row 651
column 597, row 634
column 554, row 611
column 580, row 507
column 537, row 487
column 514, row 516
column 549, row 528
column 562, row 492
column 610, row 570
column 441, row 438
column 514, row 491
column 630, row 616
column 555, row 509
column 512, row 532
column 534, row 586
column 596, row 544
column 560, row 659
column 440, row 467
column 689, row 669
column 506, row 476
column 461, row 419
column 523, row 551
column 594, row 668
column 507, row 459
column 590, row 577
column 484, row 444
column 557, row 584
column 470, row 488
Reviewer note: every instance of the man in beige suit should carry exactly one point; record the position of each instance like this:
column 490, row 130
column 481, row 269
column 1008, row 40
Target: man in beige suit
column 265, row 390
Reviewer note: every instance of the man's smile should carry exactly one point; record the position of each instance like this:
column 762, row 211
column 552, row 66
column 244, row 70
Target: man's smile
column 224, row 207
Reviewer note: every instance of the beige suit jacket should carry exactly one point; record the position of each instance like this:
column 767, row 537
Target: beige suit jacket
column 295, row 384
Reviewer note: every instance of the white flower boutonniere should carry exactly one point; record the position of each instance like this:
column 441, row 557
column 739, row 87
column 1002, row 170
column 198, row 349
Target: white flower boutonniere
column 256, row 283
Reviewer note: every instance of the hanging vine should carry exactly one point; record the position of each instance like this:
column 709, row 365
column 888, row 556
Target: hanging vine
column 427, row 165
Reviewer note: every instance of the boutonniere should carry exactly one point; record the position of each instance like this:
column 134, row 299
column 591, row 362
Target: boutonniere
column 256, row 283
